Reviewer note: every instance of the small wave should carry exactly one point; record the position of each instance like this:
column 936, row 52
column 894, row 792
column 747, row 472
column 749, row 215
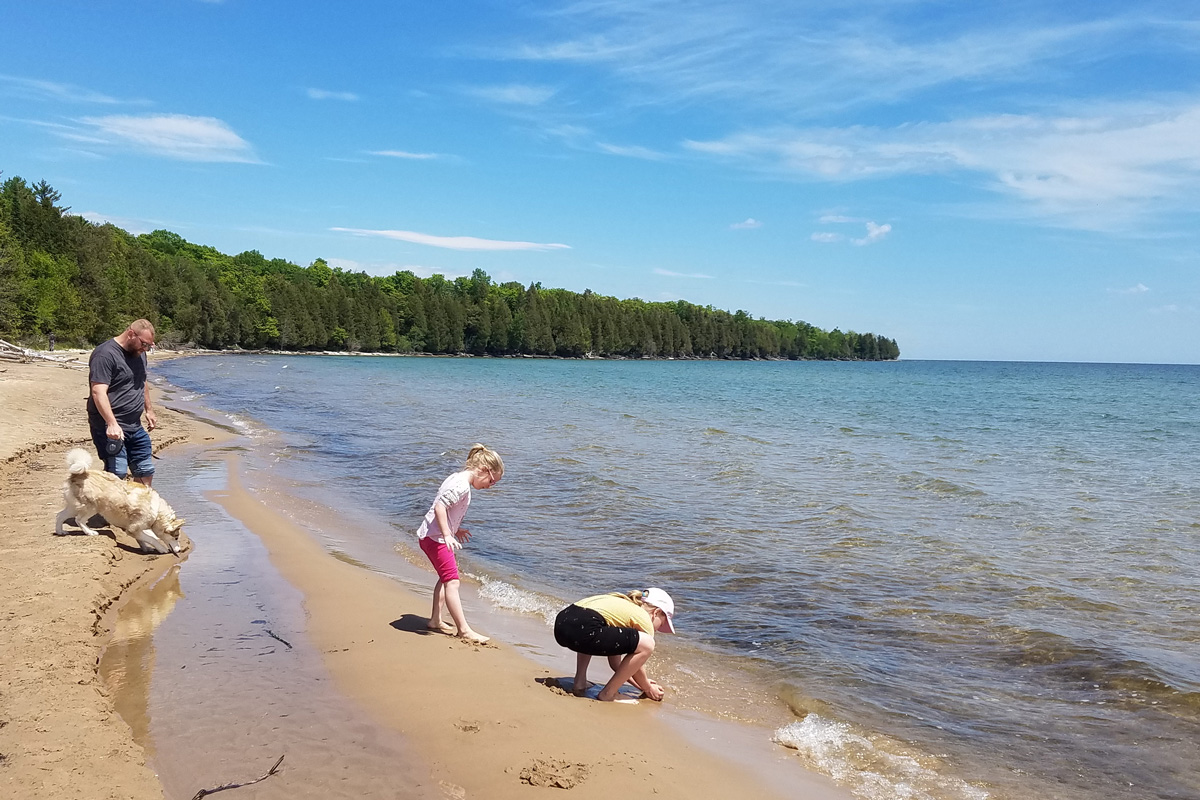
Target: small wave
column 604, row 483
column 509, row 597
column 867, row 769
column 843, row 512
column 940, row 486
column 242, row 425
column 1128, row 681
column 732, row 473
column 714, row 432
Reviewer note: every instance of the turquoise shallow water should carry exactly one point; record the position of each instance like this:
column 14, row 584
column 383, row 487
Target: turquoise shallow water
column 951, row 579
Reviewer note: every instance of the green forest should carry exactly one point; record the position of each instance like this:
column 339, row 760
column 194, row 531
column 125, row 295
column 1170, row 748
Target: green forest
column 83, row 283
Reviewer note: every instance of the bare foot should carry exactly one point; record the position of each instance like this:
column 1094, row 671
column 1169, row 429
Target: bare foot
column 579, row 690
column 449, row 630
column 617, row 698
column 472, row 636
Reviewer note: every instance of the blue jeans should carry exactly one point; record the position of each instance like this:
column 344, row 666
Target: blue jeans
column 137, row 454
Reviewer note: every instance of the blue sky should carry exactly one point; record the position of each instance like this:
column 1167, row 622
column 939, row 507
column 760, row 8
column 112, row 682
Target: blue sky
column 976, row 180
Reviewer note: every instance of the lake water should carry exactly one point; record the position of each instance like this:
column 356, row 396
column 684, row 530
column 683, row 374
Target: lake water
column 931, row 579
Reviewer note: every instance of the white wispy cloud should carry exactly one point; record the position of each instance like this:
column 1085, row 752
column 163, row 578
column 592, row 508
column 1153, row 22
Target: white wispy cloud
column 325, row 94
column 51, row 90
column 825, row 237
column 749, row 224
column 1140, row 288
column 174, row 136
column 1110, row 159
column 671, row 274
column 566, row 131
column 402, row 154
column 453, row 242
column 632, row 151
column 835, row 219
column 874, row 233
column 789, row 61
column 806, row 57
column 512, row 94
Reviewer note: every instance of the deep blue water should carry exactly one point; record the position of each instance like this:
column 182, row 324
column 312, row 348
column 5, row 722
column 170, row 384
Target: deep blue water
column 948, row 579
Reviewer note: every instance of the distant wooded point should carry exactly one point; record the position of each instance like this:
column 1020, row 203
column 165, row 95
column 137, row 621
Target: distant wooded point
column 83, row 283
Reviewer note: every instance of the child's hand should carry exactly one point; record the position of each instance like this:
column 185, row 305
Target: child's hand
column 463, row 535
column 453, row 543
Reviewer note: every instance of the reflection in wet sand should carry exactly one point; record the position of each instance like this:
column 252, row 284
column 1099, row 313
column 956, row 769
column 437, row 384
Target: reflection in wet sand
column 212, row 669
column 128, row 661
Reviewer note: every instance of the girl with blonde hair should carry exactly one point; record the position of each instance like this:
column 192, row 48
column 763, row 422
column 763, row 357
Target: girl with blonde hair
column 621, row 627
column 441, row 533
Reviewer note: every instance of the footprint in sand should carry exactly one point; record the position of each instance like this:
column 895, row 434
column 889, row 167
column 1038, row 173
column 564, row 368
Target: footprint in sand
column 554, row 773
column 452, row 791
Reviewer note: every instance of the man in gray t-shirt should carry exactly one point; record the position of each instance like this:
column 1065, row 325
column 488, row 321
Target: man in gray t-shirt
column 118, row 398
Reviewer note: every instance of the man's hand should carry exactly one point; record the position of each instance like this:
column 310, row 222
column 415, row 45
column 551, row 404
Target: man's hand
column 151, row 420
column 113, row 431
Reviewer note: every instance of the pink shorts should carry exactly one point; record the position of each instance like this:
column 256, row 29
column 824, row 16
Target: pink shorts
column 442, row 558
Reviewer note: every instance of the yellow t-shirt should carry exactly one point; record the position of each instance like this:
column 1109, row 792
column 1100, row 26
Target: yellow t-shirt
column 619, row 611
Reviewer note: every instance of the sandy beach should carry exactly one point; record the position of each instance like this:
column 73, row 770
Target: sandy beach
column 480, row 721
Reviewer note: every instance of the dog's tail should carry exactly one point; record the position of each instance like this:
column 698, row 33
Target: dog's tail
column 79, row 461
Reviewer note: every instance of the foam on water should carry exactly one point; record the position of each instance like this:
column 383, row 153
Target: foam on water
column 510, row 598
column 856, row 761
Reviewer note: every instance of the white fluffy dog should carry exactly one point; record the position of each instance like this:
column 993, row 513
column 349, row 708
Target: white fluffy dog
column 129, row 505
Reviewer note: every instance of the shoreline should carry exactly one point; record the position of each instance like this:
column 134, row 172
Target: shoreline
column 163, row 353
column 490, row 715
column 495, row 732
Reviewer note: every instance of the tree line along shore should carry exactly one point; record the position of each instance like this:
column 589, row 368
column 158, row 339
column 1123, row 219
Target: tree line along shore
column 61, row 275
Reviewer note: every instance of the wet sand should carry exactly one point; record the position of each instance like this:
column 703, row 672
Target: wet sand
column 469, row 721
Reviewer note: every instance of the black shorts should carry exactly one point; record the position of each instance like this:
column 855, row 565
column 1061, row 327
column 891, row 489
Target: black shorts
column 585, row 630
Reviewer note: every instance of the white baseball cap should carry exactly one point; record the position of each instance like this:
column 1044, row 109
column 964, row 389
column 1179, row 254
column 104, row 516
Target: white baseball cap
column 660, row 599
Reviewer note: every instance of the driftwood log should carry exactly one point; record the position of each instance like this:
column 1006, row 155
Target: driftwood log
column 12, row 352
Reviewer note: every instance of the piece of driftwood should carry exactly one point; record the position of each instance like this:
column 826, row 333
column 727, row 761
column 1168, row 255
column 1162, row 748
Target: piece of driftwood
column 206, row 792
column 273, row 635
column 12, row 352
